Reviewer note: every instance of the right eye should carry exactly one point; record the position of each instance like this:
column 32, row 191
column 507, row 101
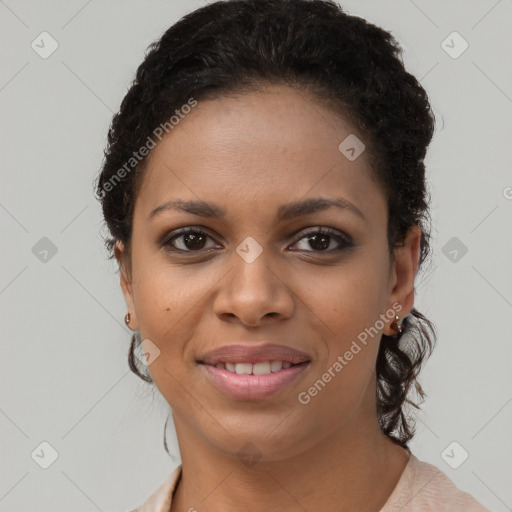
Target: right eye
column 190, row 240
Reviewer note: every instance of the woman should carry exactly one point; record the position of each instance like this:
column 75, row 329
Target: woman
column 265, row 193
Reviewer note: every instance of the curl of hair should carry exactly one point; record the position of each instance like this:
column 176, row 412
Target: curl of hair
column 399, row 362
column 342, row 61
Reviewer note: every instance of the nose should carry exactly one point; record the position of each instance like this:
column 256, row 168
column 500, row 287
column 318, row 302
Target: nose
column 252, row 292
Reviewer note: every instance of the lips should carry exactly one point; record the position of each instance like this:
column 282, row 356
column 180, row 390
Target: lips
column 251, row 354
column 253, row 387
column 253, row 372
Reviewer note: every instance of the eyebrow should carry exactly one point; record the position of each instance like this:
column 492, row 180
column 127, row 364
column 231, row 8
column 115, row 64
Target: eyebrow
column 285, row 212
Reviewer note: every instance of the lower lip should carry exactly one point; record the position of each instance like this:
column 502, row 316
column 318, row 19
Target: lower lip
column 252, row 387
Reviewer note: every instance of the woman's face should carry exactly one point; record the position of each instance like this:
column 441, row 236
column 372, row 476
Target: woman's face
column 260, row 275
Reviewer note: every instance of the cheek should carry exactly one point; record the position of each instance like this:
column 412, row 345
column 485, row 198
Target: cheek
column 166, row 303
column 170, row 304
column 335, row 397
column 166, row 295
column 347, row 305
column 345, row 374
column 348, row 298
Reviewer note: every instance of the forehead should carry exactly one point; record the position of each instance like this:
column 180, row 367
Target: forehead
column 262, row 148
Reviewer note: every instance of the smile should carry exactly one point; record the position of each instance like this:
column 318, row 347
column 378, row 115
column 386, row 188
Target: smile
column 253, row 381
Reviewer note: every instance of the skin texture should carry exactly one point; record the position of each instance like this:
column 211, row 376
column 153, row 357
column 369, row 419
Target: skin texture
column 249, row 154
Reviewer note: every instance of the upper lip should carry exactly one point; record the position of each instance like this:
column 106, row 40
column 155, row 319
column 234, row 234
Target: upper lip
column 240, row 353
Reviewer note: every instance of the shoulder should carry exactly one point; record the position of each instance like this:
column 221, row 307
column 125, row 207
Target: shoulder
column 425, row 488
column 160, row 499
column 421, row 488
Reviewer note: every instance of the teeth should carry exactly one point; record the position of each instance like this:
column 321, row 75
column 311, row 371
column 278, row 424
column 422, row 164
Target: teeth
column 275, row 366
column 243, row 368
column 262, row 368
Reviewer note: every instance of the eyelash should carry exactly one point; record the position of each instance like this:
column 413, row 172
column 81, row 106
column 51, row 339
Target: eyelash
column 344, row 240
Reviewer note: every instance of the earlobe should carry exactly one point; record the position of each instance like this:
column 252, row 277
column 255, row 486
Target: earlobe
column 396, row 326
column 405, row 269
column 126, row 286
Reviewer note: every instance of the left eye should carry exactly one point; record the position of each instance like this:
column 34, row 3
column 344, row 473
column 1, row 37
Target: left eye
column 321, row 239
column 195, row 240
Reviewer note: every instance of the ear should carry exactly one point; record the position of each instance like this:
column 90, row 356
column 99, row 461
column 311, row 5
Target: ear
column 126, row 282
column 403, row 273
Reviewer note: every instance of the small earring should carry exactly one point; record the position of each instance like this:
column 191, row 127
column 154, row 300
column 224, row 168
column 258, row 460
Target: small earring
column 397, row 326
column 127, row 320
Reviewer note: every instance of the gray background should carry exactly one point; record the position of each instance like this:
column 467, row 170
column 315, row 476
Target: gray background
column 64, row 374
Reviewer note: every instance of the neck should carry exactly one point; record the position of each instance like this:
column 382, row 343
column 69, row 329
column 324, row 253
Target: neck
column 354, row 468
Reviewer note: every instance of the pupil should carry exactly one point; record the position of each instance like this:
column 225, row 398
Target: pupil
column 314, row 239
column 196, row 240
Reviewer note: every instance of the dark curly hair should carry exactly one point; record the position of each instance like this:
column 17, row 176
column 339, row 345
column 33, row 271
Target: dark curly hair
column 353, row 66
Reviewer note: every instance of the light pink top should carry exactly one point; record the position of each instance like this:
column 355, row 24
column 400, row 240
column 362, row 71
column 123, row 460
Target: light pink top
column 421, row 488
